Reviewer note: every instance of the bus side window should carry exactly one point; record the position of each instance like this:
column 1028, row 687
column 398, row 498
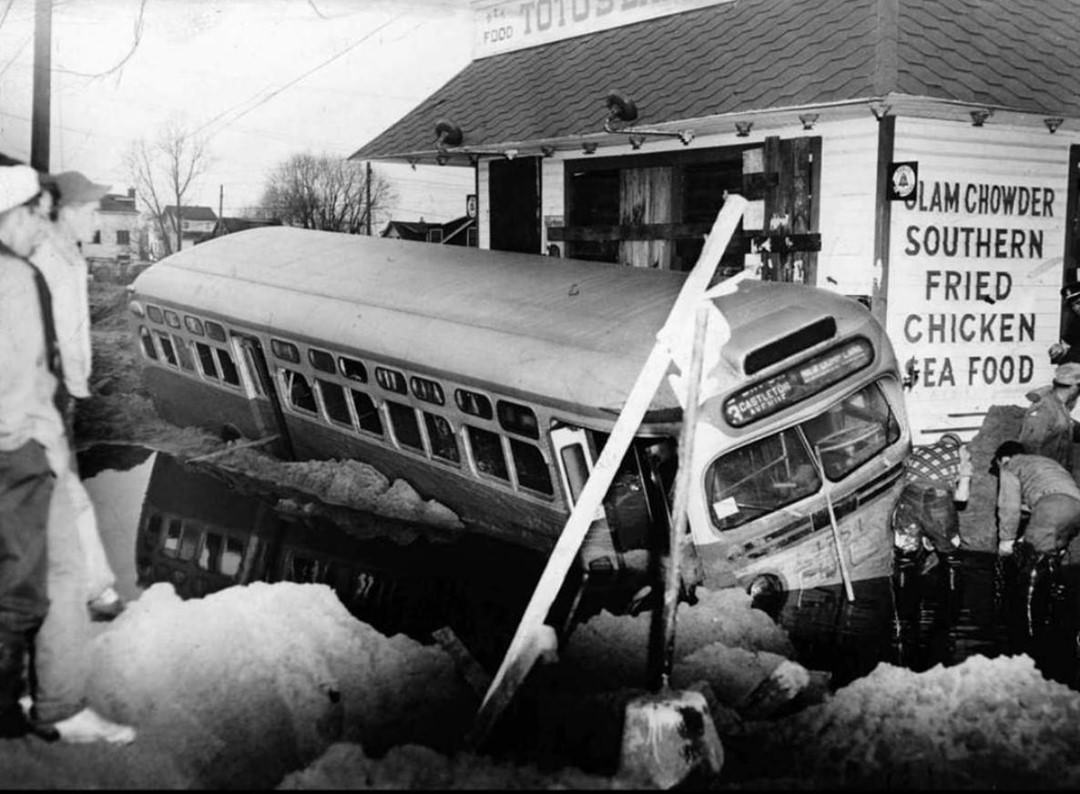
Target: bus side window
column 166, row 348
column 487, row 451
column 333, row 397
column 147, row 343
column 366, row 412
column 210, row 554
column 228, row 368
column 172, row 537
column 443, row 441
column 406, row 428
column 206, row 360
column 232, row 556
column 532, row 469
column 300, row 394
column 183, row 352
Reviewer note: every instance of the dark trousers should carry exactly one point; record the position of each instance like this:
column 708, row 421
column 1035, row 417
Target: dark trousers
column 26, row 485
column 932, row 510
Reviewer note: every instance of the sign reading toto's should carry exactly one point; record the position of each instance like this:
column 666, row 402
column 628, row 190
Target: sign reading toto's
column 505, row 25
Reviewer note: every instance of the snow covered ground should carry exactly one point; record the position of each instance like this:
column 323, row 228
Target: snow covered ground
column 277, row 685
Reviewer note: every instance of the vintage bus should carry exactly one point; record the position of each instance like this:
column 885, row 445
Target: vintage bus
column 489, row 381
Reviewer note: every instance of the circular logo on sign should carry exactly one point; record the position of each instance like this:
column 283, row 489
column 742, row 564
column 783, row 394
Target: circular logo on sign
column 903, row 180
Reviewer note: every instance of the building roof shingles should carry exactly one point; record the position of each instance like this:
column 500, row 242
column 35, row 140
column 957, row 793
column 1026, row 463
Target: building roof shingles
column 759, row 54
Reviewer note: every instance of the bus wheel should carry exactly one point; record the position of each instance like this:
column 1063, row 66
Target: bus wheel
column 230, row 432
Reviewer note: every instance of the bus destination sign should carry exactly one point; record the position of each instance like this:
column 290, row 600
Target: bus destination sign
column 797, row 383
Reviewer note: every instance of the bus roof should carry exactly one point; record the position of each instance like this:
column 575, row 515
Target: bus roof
column 567, row 330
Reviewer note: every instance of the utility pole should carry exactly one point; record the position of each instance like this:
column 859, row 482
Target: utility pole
column 221, row 208
column 39, row 123
column 367, row 189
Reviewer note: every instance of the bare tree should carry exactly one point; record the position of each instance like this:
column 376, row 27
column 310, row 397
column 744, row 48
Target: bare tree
column 164, row 171
column 324, row 192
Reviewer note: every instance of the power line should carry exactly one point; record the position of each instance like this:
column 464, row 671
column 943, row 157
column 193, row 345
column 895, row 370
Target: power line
column 294, row 81
column 126, row 58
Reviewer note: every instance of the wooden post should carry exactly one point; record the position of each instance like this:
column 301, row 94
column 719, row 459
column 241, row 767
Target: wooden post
column 677, row 535
column 524, row 645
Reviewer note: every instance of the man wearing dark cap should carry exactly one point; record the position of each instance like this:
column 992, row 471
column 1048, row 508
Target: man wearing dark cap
column 1068, row 349
column 1048, row 427
column 926, row 526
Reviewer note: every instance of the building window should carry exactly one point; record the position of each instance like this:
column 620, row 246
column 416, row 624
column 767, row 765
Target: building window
column 123, row 237
column 96, row 237
column 434, row 235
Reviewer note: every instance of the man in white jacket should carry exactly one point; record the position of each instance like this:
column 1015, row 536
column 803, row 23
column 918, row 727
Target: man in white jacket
column 60, row 260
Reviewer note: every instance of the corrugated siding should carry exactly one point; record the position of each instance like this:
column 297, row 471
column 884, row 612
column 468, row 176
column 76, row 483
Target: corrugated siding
column 960, row 378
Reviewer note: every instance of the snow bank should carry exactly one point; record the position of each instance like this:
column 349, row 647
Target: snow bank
column 244, row 685
column 343, row 483
column 984, row 723
column 345, row 766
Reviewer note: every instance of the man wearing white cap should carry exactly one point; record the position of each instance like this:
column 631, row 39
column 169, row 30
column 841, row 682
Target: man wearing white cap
column 42, row 569
column 58, row 257
column 30, row 428
column 1048, row 428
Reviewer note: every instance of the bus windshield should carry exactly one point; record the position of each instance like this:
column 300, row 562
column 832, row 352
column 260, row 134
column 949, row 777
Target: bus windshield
column 777, row 470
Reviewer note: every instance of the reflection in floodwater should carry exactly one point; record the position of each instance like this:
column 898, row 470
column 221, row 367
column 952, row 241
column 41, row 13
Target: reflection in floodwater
column 203, row 533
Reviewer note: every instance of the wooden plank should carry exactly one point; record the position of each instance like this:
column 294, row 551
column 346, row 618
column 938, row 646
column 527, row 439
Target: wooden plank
column 523, row 647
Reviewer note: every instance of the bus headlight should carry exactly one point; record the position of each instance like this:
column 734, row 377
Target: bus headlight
column 766, row 593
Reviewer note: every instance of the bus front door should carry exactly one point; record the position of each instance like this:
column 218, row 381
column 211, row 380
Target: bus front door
column 256, row 371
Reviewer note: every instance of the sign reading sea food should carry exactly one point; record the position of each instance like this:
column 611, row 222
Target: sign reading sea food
column 973, row 294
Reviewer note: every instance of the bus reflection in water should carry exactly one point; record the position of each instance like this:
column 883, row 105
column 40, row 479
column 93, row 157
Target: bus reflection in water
column 490, row 381
column 201, row 535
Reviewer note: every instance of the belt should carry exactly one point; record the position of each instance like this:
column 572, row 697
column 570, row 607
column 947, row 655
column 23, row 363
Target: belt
column 933, row 489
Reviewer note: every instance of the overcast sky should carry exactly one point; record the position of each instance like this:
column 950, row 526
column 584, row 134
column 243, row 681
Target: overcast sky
column 260, row 79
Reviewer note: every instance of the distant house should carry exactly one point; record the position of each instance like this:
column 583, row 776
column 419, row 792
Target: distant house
column 114, row 241
column 195, row 223
column 226, row 225
column 460, row 231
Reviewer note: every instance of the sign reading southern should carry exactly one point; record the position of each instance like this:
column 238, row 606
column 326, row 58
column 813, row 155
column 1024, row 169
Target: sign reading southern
column 505, row 25
column 973, row 297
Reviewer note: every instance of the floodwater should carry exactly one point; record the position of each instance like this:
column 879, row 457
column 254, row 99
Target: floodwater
column 163, row 521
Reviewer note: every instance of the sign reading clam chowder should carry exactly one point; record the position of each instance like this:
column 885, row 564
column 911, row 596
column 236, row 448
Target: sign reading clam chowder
column 505, row 25
column 973, row 304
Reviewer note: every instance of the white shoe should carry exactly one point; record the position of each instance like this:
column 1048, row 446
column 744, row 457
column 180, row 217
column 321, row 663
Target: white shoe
column 89, row 726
